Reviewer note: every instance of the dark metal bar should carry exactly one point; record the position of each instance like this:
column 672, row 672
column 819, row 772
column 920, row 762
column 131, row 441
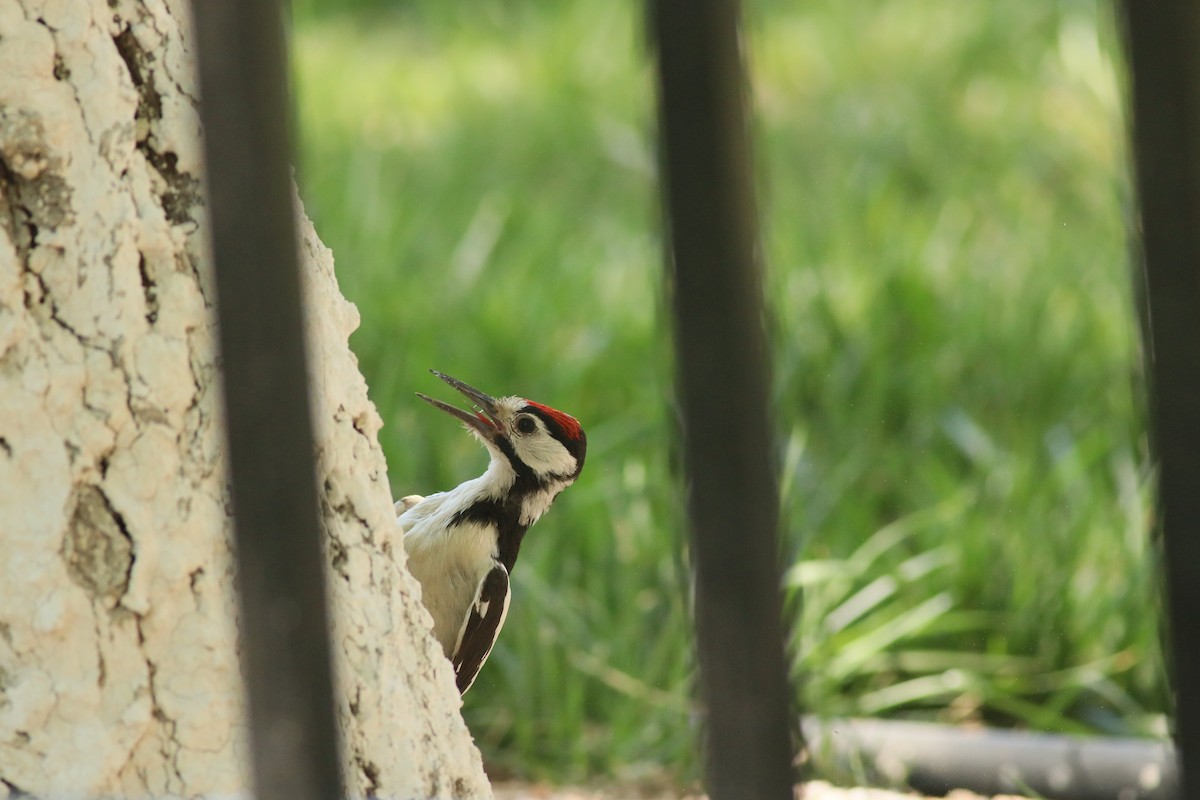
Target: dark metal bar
column 284, row 629
column 1162, row 40
column 716, row 287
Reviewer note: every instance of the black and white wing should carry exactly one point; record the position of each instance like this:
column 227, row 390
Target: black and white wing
column 481, row 627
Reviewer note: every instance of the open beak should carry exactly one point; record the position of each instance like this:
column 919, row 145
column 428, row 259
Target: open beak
column 484, row 420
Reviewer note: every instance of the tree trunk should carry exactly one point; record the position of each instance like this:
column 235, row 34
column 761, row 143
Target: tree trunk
column 119, row 668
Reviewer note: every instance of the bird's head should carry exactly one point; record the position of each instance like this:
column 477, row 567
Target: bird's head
column 542, row 445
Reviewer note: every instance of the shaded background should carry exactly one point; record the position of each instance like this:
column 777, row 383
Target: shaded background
column 959, row 391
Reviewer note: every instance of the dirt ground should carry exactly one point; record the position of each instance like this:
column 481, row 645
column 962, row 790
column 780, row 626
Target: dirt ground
column 816, row 790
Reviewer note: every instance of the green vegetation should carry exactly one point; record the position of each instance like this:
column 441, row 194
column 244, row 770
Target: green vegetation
column 959, row 396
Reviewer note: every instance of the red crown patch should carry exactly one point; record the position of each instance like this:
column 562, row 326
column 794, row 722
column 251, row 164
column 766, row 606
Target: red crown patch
column 569, row 424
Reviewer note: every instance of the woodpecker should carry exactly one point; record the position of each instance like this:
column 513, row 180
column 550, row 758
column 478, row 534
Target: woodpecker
column 462, row 544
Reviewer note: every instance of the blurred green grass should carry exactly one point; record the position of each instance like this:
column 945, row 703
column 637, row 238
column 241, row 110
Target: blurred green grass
column 958, row 389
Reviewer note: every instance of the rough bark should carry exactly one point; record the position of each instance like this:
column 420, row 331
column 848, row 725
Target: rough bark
column 118, row 658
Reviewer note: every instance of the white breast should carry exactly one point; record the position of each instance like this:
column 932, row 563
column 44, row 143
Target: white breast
column 448, row 562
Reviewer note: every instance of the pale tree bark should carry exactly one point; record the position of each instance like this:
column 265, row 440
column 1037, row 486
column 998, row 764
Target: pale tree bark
column 118, row 648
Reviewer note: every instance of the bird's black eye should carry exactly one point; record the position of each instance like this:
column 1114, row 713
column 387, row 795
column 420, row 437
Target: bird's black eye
column 526, row 425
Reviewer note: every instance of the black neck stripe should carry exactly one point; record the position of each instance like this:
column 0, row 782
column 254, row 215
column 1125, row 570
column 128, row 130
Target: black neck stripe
column 527, row 481
column 506, row 516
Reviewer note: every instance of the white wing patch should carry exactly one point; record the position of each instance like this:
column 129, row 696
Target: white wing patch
column 405, row 503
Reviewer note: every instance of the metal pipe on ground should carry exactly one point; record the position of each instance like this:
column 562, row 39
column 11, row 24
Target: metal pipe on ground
column 935, row 759
column 715, row 282
column 280, row 564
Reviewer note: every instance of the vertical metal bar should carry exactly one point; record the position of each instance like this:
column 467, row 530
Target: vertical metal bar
column 285, row 649
column 716, row 287
column 1162, row 39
